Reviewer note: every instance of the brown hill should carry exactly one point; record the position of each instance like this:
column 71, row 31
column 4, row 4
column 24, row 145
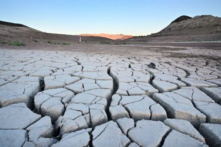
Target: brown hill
column 181, row 18
column 110, row 36
column 10, row 32
column 205, row 24
column 11, row 24
column 185, row 28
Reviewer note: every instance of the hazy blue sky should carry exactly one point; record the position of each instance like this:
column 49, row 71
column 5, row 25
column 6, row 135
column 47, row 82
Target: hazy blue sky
column 135, row 17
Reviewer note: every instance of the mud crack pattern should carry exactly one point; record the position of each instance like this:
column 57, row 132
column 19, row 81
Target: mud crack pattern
column 58, row 99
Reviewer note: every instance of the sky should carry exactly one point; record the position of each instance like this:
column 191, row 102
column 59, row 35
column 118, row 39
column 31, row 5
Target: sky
column 131, row 17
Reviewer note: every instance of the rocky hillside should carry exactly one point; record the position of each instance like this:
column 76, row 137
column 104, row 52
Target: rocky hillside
column 185, row 28
column 181, row 18
column 184, row 25
column 11, row 24
column 8, row 29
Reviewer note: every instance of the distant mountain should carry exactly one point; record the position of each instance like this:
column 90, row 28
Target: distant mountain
column 110, row 36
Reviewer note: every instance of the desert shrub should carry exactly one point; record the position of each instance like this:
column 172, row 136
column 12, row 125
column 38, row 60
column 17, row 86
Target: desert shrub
column 49, row 42
column 16, row 43
column 65, row 43
column 3, row 42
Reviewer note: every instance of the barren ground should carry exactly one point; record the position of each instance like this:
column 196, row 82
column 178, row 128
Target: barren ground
column 109, row 95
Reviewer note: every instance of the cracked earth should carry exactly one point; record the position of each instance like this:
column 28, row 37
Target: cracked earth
column 64, row 98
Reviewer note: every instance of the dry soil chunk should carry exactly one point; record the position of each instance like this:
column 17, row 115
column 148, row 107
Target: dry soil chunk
column 170, row 79
column 51, row 102
column 105, row 93
column 177, row 139
column 19, row 91
column 12, row 138
column 163, row 86
column 41, row 73
column 53, row 108
column 136, row 91
column 83, row 98
column 211, row 110
column 125, row 124
column 158, row 112
column 133, row 145
column 42, row 129
column 76, row 139
column 212, row 134
column 180, row 109
column 71, row 121
column 52, row 82
column 215, row 81
column 109, row 135
column 17, row 116
column 184, row 127
column 148, row 133
column 140, row 110
column 193, row 94
column 98, row 117
column 118, row 112
column 214, row 93
column 197, row 83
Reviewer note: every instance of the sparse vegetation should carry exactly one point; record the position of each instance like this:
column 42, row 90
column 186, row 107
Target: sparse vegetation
column 49, row 42
column 35, row 40
column 16, row 43
column 63, row 43
column 3, row 42
column 104, row 42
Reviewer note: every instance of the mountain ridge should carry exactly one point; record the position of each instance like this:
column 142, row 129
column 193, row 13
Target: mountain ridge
column 110, row 36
